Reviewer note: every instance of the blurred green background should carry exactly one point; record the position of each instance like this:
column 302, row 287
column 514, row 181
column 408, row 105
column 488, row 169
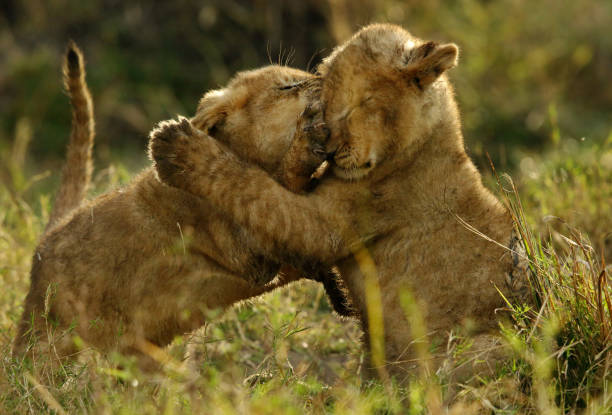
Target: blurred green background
column 531, row 73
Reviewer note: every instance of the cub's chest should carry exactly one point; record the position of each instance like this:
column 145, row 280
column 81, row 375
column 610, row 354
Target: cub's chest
column 366, row 209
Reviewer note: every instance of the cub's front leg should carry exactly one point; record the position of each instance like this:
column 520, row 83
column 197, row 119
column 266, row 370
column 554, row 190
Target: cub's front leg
column 292, row 228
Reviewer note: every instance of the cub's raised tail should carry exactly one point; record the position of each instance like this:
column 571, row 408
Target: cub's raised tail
column 76, row 173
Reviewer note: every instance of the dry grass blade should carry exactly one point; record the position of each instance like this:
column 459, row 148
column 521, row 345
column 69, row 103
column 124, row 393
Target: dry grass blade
column 45, row 394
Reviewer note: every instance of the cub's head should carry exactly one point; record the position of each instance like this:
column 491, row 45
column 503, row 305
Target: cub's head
column 383, row 91
column 257, row 112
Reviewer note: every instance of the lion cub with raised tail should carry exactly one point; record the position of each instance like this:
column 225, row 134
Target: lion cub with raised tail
column 142, row 264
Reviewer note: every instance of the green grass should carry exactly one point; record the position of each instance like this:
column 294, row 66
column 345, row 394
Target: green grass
column 287, row 353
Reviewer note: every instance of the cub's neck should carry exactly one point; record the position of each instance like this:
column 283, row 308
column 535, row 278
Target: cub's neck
column 437, row 184
column 456, row 184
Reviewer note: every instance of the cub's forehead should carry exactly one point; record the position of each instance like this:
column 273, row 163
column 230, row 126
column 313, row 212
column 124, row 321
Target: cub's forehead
column 381, row 45
column 287, row 74
column 365, row 64
column 269, row 75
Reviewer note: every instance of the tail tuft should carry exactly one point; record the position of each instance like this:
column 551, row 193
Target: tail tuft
column 74, row 57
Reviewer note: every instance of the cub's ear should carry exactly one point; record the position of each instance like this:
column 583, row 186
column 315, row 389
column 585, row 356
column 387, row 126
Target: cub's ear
column 428, row 61
column 212, row 109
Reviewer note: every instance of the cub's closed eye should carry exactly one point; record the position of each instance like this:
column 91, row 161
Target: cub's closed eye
column 293, row 85
column 285, row 87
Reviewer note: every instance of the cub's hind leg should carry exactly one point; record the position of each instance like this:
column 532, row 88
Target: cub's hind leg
column 42, row 337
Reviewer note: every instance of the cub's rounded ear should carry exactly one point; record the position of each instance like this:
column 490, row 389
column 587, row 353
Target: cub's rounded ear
column 212, row 109
column 428, row 61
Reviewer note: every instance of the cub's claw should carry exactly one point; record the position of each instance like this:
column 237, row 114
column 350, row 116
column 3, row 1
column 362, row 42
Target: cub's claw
column 313, row 125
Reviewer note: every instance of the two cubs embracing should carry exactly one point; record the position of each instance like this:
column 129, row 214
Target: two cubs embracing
column 237, row 190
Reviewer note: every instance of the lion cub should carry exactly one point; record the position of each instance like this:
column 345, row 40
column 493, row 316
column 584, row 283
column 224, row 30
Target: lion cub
column 145, row 263
column 400, row 213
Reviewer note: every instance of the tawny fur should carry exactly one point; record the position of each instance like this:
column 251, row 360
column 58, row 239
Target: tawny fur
column 76, row 174
column 403, row 186
column 145, row 263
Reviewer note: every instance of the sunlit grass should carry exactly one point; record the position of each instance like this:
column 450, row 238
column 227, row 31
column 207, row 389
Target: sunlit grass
column 286, row 353
column 564, row 343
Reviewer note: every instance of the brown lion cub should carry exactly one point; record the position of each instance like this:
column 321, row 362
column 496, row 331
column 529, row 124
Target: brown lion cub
column 145, row 263
column 395, row 214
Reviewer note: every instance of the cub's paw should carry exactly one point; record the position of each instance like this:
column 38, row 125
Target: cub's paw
column 176, row 149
